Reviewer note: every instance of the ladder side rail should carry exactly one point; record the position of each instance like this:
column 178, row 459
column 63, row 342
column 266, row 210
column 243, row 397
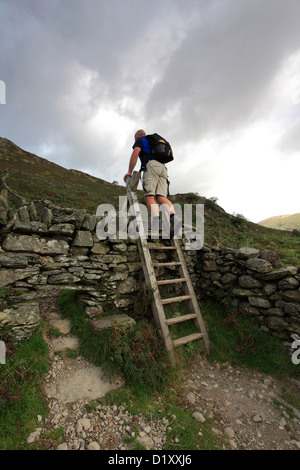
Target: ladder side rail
column 189, row 290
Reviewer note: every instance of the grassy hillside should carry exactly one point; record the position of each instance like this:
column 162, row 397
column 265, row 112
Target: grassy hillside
column 36, row 178
column 283, row 222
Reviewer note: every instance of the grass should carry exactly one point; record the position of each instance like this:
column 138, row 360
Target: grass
column 240, row 341
column 21, row 397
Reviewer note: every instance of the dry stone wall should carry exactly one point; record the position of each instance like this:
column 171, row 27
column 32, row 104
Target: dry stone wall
column 256, row 284
column 46, row 248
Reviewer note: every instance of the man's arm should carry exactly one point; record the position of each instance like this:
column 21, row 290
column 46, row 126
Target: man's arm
column 133, row 160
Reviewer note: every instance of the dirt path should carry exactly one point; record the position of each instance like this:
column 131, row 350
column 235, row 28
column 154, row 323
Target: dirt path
column 246, row 407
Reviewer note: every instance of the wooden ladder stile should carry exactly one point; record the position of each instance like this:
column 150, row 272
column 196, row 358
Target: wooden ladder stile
column 157, row 303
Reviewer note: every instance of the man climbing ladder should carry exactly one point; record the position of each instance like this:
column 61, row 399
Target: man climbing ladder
column 155, row 181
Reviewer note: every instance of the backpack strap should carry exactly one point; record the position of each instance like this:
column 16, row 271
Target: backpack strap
column 147, row 152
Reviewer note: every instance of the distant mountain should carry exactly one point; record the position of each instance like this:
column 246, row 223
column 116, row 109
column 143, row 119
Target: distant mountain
column 283, row 222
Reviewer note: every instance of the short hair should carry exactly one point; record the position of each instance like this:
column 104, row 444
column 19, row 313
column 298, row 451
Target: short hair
column 140, row 133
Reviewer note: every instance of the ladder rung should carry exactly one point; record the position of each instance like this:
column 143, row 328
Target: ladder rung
column 153, row 246
column 176, row 299
column 171, row 281
column 172, row 321
column 187, row 339
column 172, row 263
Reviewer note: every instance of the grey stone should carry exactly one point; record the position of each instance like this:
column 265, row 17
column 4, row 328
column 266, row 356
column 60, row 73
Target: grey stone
column 19, row 322
column 128, row 286
column 100, row 248
column 209, row 265
column 288, row 283
column 65, row 343
column 23, row 214
column 83, row 238
column 9, row 276
column 93, row 446
column 145, row 441
column 246, row 253
column 64, row 326
column 259, row 302
column 61, row 229
column 292, row 295
column 34, row 436
column 257, row 418
column 237, row 292
column 119, row 320
column 32, row 211
column 276, row 323
column 269, row 289
column 259, row 265
column 270, row 256
column 275, row 311
column 198, row 417
column 26, row 243
column 64, row 278
column 228, row 278
column 289, row 307
column 191, row 397
column 249, row 282
column 63, row 446
column 13, row 260
column 280, row 273
column 29, row 227
column 89, row 222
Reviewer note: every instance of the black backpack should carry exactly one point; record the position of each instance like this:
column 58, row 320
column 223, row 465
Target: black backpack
column 161, row 149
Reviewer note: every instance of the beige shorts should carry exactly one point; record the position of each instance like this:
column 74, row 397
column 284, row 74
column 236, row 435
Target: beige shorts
column 155, row 179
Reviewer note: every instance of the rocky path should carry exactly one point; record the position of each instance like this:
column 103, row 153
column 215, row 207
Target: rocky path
column 246, row 408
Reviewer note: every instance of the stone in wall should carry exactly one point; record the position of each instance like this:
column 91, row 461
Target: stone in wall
column 32, row 243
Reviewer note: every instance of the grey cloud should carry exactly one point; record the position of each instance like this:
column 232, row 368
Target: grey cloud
column 219, row 76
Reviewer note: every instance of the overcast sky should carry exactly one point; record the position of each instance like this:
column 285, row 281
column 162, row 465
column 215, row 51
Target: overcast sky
column 219, row 79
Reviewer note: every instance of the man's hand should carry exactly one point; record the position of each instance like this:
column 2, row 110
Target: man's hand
column 127, row 174
column 133, row 160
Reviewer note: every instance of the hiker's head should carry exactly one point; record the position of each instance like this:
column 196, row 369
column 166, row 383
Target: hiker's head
column 140, row 133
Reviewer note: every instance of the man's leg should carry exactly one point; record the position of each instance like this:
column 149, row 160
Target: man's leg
column 152, row 206
column 167, row 204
